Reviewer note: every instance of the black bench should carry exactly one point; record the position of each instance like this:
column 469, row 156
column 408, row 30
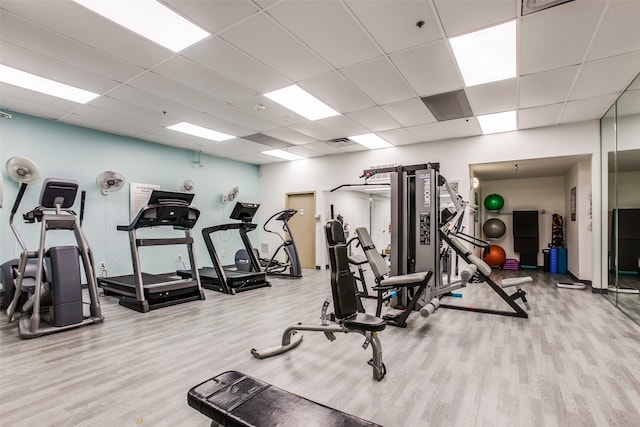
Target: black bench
column 346, row 317
column 234, row 399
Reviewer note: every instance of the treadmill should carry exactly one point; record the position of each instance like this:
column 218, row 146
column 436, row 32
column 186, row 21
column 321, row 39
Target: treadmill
column 246, row 273
column 143, row 291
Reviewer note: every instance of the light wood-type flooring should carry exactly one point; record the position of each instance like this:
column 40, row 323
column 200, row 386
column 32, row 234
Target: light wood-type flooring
column 574, row 362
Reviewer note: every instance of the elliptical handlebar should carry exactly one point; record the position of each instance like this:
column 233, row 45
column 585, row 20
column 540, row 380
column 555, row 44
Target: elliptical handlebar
column 284, row 216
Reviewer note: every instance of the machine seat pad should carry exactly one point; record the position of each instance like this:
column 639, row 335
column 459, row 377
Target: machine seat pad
column 235, row 399
column 364, row 322
column 405, row 280
column 357, row 259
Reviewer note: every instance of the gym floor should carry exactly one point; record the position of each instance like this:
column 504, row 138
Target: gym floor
column 574, row 361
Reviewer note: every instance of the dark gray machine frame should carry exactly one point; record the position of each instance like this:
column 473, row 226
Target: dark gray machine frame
column 56, row 299
column 288, row 245
column 143, row 291
column 417, row 237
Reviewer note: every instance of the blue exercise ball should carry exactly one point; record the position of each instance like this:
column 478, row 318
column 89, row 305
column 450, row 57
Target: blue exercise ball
column 494, row 228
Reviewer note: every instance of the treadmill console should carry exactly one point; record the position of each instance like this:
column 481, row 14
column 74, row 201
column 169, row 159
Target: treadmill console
column 244, row 211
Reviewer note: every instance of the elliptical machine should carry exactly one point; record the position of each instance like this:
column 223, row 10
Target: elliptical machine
column 272, row 265
column 51, row 302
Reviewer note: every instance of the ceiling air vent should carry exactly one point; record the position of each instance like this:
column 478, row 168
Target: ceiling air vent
column 340, row 142
column 532, row 6
column 448, row 106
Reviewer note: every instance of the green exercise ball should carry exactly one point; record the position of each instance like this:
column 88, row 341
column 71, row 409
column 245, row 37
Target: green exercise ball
column 494, row 202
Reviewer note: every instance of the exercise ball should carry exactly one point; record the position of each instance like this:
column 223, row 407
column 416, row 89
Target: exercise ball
column 496, row 256
column 494, row 202
column 494, row 228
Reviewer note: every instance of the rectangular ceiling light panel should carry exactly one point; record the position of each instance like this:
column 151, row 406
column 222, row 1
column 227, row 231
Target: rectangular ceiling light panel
column 200, row 132
column 281, row 154
column 371, row 141
column 301, row 102
column 499, row 122
column 29, row 81
column 150, row 19
column 487, row 55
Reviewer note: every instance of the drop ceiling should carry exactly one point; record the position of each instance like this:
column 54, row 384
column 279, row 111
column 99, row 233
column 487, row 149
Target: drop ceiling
column 366, row 59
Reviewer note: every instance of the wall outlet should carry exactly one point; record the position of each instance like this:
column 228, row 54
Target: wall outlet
column 103, row 265
column 223, row 253
column 179, row 258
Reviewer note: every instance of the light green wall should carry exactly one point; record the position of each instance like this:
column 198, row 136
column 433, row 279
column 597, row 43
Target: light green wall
column 66, row 151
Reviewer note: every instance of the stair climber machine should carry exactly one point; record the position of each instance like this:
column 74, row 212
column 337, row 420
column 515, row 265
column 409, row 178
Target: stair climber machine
column 292, row 263
column 48, row 289
column 143, row 291
column 246, row 273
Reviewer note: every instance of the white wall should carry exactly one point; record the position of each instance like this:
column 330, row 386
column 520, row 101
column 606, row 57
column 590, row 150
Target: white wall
column 546, row 195
column 323, row 173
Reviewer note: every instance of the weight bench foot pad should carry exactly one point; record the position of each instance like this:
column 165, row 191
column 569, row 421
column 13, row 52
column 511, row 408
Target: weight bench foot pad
column 235, row 399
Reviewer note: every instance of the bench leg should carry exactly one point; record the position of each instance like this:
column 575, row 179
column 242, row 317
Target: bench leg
column 379, row 370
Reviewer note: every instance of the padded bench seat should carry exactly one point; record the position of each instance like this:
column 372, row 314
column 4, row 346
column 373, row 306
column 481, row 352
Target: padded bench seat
column 234, row 399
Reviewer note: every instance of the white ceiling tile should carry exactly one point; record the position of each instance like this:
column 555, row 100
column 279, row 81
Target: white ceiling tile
column 203, row 80
column 54, row 70
column 336, row 91
column 305, row 151
column 84, row 26
column 380, row 81
column 393, row 24
column 429, row 69
column 539, row 116
column 411, row 112
column 246, row 117
column 166, row 88
column 276, row 48
column 119, row 107
column 588, row 108
column 226, row 60
column 464, row 16
column 399, row 136
column 375, row 119
column 343, row 125
column 152, row 101
column 546, row 88
column 446, row 130
column 38, row 40
column 316, row 131
column 322, row 147
column 289, row 135
column 606, row 76
column 108, row 121
column 256, row 159
column 273, row 112
column 619, row 31
column 557, row 37
column 213, row 16
column 35, row 104
column 493, row 97
column 323, row 25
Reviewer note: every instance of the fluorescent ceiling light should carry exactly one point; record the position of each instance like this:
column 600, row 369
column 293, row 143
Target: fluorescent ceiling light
column 29, row 81
column 487, row 55
column 301, row 102
column 371, row 141
column 201, row 132
column 499, row 122
column 150, row 19
column 283, row 154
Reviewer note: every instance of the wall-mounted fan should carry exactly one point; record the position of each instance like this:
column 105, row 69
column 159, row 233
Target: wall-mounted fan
column 24, row 172
column 109, row 181
column 230, row 195
column 187, row 186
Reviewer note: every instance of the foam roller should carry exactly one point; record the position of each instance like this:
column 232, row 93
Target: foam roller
column 515, row 281
column 430, row 308
column 467, row 273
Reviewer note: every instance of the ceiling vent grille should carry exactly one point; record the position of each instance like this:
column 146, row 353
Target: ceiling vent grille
column 532, row 6
column 448, row 106
column 340, row 142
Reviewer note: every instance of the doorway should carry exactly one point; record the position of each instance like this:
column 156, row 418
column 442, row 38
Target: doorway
column 303, row 226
